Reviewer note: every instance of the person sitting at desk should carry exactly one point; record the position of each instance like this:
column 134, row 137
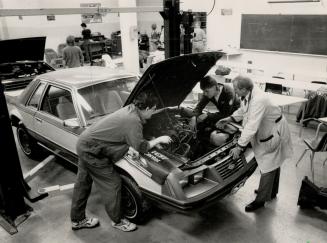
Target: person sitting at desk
column 225, row 101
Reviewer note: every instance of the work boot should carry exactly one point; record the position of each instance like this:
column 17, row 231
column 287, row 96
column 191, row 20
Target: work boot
column 254, row 206
column 85, row 223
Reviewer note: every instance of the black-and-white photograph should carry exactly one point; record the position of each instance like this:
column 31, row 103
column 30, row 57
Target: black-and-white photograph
column 163, row 121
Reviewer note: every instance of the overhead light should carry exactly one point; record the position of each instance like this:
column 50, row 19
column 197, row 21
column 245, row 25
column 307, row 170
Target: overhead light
column 295, row 1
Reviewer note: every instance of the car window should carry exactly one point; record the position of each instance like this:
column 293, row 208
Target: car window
column 35, row 99
column 104, row 98
column 58, row 102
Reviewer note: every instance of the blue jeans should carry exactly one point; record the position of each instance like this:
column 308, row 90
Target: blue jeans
column 93, row 166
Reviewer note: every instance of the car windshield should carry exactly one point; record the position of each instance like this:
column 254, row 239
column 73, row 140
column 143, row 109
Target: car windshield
column 104, row 98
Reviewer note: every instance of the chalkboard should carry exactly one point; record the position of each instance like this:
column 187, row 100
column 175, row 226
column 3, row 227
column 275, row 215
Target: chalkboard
column 285, row 33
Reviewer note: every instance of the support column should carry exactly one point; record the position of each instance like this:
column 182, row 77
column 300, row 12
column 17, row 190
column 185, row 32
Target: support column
column 129, row 37
column 4, row 33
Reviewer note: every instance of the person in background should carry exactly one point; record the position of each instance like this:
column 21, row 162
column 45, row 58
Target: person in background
column 72, row 55
column 265, row 127
column 199, row 38
column 226, row 102
column 99, row 147
column 154, row 38
column 86, row 34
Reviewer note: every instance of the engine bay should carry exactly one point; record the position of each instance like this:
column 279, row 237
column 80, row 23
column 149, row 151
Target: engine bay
column 187, row 144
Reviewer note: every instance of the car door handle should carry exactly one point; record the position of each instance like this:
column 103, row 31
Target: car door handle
column 38, row 119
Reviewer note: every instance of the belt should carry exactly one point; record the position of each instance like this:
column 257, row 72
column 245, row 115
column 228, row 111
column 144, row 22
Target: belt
column 279, row 118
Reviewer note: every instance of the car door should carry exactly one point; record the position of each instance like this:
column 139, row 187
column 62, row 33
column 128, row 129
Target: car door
column 57, row 106
column 28, row 110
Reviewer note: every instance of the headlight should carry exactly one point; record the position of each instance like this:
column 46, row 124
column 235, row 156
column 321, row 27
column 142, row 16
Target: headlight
column 195, row 178
column 192, row 179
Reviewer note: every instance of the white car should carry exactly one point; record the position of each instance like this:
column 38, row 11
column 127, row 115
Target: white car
column 57, row 106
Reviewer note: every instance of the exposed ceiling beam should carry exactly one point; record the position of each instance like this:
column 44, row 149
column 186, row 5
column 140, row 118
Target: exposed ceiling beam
column 70, row 11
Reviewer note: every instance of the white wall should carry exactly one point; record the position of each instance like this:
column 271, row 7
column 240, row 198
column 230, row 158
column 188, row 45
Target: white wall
column 224, row 31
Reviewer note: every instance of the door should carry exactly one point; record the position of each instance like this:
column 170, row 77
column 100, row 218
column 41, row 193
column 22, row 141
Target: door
column 56, row 107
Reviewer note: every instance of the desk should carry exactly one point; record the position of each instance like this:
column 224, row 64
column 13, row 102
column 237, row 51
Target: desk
column 284, row 100
column 284, row 82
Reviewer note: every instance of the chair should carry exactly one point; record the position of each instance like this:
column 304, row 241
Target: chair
column 274, row 88
column 111, row 102
column 65, row 108
column 52, row 59
column 317, row 144
column 285, row 89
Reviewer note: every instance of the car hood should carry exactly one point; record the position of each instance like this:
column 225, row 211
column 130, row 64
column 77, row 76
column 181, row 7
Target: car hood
column 173, row 79
column 23, row 49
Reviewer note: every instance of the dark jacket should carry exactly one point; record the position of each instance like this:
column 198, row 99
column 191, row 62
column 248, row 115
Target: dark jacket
column 226, row 105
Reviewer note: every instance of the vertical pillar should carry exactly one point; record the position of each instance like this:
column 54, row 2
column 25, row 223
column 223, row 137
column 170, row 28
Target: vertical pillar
column 172, row 20
column 4, row 33
column 129, row 37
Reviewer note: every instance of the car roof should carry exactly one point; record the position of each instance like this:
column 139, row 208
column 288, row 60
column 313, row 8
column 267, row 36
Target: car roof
column 83, row 76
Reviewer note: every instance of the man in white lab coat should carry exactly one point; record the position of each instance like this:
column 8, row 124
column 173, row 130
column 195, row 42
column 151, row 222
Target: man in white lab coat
column 265, row 127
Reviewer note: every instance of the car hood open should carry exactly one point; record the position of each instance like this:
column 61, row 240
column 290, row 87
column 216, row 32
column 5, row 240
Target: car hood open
column 22, row 49
column 173, row 79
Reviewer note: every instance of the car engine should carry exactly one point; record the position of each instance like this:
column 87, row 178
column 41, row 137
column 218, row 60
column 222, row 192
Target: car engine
column 187, row 143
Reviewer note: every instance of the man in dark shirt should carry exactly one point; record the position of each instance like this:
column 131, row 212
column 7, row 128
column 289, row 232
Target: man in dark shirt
column 226, row 102
column 86, row 33
column 99, row 147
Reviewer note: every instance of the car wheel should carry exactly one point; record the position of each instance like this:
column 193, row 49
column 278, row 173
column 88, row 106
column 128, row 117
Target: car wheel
column 134, row 206
column 26, row 142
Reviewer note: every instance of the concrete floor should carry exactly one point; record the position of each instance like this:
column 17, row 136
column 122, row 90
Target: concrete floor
column 280, row 221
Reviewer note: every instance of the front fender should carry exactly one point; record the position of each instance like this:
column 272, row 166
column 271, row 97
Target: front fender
column 139, row 175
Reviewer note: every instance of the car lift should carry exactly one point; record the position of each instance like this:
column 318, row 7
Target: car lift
column 51, row 189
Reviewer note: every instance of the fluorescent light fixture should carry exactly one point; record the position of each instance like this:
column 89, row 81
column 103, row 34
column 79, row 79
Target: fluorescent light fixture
column 295, row 1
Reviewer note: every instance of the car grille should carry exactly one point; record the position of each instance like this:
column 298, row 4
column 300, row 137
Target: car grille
column 229, row 167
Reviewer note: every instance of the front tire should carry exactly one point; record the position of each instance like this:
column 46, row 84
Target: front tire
column 134, row 206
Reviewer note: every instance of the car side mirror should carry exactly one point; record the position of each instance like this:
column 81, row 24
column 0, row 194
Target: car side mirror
column 72, row 123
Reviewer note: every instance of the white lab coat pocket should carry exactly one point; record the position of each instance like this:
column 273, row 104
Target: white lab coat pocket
column 271, row 143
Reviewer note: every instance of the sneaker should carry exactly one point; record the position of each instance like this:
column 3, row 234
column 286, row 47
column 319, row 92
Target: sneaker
column 124, row 225
column 85, row 223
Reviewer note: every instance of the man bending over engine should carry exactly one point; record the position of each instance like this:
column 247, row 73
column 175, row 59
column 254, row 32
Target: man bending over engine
column 224, row 98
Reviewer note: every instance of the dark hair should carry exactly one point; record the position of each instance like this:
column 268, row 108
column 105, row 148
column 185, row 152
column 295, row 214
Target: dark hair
column 207, row 82
column 146, row 99
column 83, row 25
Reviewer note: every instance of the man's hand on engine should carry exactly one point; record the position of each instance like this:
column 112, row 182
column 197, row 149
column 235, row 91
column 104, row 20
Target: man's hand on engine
column 223, row 122
column 164, row 139
column 133, row 153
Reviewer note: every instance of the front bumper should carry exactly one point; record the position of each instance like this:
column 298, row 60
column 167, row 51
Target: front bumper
column 184, row 206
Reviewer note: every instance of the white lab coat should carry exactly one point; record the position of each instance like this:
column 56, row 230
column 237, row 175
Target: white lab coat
column 259, row 117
